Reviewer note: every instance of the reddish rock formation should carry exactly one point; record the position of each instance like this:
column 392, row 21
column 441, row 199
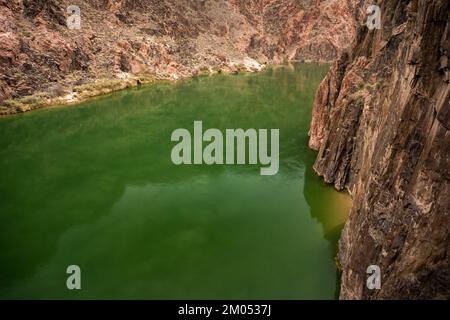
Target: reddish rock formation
column 381, row 123
column 165, row 38
column 299, row 30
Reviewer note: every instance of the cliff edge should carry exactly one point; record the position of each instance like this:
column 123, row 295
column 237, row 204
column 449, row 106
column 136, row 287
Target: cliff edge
column 381, row 123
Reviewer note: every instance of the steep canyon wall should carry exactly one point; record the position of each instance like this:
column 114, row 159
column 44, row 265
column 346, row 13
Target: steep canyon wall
column 381, row 123
column 167, row 39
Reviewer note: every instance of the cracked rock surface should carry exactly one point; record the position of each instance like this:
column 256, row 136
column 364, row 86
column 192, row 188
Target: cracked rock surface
column 381, row 124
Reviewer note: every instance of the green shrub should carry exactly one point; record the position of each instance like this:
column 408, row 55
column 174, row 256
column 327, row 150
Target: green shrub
column 14, row 104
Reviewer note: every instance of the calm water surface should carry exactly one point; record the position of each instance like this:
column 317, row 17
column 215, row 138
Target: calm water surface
column 93, row 185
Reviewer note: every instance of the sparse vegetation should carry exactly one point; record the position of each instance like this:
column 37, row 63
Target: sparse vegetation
column 361, row 85
column 203, row 71
column 240, row 68
column 60, row 95
column 24, row 104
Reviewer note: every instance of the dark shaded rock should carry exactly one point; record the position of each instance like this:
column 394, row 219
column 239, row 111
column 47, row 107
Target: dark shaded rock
column 53, row 9
column 381, row 124
column 80, row 61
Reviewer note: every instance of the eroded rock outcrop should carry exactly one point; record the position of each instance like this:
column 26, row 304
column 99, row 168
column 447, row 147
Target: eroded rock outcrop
column 167, row 39
column 381, row 123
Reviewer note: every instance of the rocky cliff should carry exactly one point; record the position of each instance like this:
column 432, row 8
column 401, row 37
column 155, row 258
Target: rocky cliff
column 166, row 39
column 381, row 123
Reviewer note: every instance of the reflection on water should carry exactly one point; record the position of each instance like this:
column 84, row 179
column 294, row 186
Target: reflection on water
column 93, row 185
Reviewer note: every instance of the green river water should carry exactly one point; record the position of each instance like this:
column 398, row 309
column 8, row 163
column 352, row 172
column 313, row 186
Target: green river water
column 93, row 185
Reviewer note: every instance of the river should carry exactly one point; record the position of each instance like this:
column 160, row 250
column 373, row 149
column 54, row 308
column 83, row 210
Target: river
column 93, row 185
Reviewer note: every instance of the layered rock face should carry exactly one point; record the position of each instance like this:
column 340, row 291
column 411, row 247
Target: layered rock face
column 381, row 123
column 166, row 38
column 310, row 30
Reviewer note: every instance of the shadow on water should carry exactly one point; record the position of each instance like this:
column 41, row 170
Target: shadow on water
column 339, row 209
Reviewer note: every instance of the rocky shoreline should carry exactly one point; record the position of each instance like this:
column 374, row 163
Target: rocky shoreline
column 100, row 87
column 44, row 62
